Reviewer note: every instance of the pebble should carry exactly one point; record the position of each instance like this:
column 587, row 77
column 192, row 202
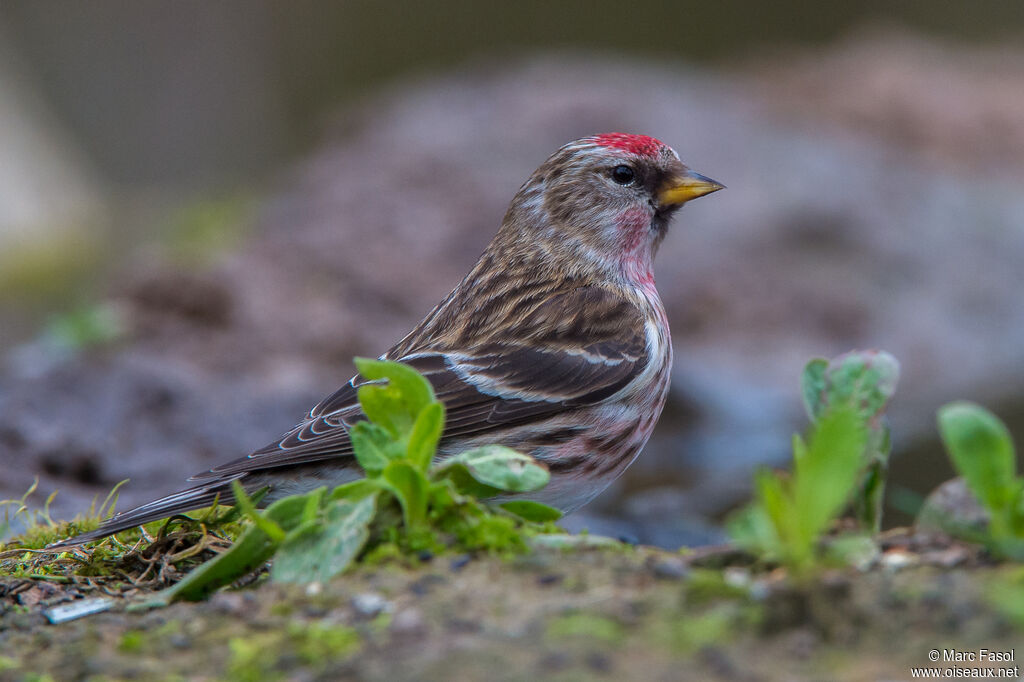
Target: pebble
column 946, row 558
column 228, row 602
column 896, row 560
column 408, row 622
column 370, row 604
column 460, row 562
column 734, row 576
column 425, row 584
column 670, row 569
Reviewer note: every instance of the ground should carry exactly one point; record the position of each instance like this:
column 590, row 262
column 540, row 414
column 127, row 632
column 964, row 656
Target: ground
column 594, row 613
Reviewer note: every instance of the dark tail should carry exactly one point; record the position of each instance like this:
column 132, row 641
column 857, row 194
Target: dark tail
column 175, row 503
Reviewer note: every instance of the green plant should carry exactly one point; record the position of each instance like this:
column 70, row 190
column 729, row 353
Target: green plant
column 865, row 381
column 38, row 528
column 844, row 456
column 981, row 450
column 790, row 513
column 404, row 502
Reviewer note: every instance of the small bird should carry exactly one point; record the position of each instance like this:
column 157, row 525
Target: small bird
column 555, row 344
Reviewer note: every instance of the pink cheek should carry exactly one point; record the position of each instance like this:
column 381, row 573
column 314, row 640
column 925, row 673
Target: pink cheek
column 633, row 226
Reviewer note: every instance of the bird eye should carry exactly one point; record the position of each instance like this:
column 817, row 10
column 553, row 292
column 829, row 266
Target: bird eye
column 623, row 175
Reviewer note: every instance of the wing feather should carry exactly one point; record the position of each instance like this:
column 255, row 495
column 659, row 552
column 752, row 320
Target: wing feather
column 575, row 348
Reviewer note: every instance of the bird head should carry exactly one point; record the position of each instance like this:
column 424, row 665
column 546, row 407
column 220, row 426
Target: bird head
column 603, row 203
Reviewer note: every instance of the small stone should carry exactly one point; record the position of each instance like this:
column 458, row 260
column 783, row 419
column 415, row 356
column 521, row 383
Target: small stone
column 554, row 661
column 897, row 560
column 425, row 584
column 459, row 562
column 946, row 558
column 35, row 594
column 179, row 641
column 802, row 643
column 598, row 662
column 228, row 602
column 760, row 589
column 670, row 568
column 628, row 539
column 734, row 576
column 465, row 625
column 550, row 579
column 408, row 622
column 952, row 508
column 371, row 604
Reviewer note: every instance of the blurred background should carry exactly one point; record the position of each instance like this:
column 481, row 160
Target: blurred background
column 206, row 209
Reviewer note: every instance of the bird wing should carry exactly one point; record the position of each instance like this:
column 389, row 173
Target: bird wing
column 573, row 349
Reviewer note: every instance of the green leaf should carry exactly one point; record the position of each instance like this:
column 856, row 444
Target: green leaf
column 462, row 480
column 859, row 551
column 862, row 380
column 444, row 496
column 775, row 504
column 752, row 529
column 497, row 467
column 355, row 490
column 370, row 443
column 409, row 485
column 982, row 452
column 426, row 434
column 825, row 476
column 321, row 551
column 813, row 385
column 248, row 553
column 267, row 525
column 395, row 404
column 788, row 516
column 532, row 511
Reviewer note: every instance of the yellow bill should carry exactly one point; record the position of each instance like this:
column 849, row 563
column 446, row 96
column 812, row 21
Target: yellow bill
column 686, row 187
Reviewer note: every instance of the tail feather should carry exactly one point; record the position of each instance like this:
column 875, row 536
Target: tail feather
column 182, row 501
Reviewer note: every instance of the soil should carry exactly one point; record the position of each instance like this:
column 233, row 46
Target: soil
column 609, row 613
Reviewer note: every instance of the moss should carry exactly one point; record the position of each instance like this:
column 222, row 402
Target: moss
column 266, row 656
column 380, row 623
column 317, row 643
column 131, row 641
column 718, row 624
column 498, row 534
column 251, row 660
column 384, row 553
column 1005, row 593
column 586, row 625
column 707, row 585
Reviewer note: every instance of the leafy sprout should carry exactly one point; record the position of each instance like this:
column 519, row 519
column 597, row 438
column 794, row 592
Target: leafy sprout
column 865, row 381
column 404, row 498
column 982, row 451
column 844, row 457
